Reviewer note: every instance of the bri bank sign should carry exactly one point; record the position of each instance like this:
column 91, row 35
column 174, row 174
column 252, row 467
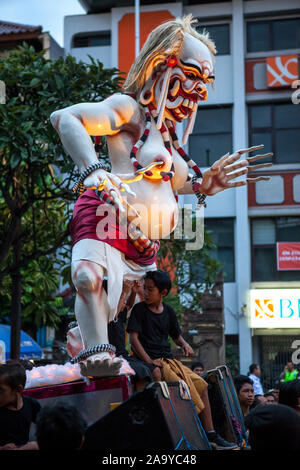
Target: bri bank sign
column 275, row 308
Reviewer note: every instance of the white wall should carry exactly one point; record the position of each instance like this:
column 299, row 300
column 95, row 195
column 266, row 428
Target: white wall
column 231, row 310
column 88, row 23
column 103, row 53
column 83, row 24
column 222, row 92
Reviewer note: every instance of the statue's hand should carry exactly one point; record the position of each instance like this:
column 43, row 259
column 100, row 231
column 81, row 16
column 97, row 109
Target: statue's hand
column 111, row 184
column 223, row 171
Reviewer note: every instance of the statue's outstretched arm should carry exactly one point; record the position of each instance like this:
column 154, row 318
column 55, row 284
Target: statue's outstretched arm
column 223, row 172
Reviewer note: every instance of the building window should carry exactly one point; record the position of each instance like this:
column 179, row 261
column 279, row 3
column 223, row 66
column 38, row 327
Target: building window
column 212, row 135
column 276, row 126
column 222, row 233
column 265, row 233
column 92, row 39
column 275, row 352
column 273, row 35
column 220, row 34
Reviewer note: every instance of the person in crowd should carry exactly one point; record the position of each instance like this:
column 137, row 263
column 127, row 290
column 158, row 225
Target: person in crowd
column 17, row 412
column 245, row 392
column 270, row 398
column 273, row 428
column 150, row 325
column 276, row 391
column 60, row 427
column 26, row 363
column 254, row 375
column 289, row 373
column 289, row 394
column 198, row 368
column 258, row 400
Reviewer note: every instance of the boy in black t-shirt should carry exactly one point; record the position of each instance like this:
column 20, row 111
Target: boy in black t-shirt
column 150, row 324
column 16, row 412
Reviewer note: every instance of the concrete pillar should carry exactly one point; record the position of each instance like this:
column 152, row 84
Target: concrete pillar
column 205, row 331
column 242, row 228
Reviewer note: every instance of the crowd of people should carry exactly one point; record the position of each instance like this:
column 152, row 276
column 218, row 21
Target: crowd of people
column 251, row 394
column 271, row 418
column 150, row 325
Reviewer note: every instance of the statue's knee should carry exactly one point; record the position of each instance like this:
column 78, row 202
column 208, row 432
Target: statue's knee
column 87, row 280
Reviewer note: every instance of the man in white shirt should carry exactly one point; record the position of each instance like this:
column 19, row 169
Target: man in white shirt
column 254, row 374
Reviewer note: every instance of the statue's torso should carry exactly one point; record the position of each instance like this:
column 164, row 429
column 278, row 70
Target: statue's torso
column 155, row 199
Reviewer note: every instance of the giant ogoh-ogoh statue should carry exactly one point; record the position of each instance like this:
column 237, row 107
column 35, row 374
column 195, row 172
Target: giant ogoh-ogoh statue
column 164, row 86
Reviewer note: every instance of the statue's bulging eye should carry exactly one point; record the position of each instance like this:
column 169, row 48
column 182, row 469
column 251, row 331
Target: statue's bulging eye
column 191, row 76
column 210, row 79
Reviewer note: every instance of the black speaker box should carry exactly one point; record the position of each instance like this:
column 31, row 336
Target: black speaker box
column 161, row 417
column 225, row 406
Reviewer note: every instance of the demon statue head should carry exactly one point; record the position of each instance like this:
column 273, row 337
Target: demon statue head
column 172, row 71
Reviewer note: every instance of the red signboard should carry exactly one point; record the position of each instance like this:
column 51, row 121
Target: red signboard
column 288, row 256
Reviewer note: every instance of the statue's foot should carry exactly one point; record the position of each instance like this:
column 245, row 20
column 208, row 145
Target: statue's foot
column 101, row 365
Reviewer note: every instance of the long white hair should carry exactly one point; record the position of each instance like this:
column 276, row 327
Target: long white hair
column 163, row 41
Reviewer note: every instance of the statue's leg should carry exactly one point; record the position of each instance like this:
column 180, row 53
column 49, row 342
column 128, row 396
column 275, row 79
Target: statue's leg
column 74, row 342
column 92, row 314
column 90, row 311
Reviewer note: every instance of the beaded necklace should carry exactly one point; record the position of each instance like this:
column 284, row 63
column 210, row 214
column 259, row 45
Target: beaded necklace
column 180, row 150
column 166, row 176
column 167, row 131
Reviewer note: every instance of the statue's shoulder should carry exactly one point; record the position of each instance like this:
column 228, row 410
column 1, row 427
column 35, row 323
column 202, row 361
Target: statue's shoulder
column 122, row 100
column 124, row 105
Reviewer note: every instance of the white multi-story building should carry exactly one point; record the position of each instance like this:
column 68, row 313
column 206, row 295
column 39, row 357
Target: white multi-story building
column 254, row 101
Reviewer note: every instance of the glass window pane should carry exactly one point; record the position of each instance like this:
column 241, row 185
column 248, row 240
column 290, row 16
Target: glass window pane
column 212, row 120
column 265, row 138
column 258, row 36
column 102, row 40
column 288, row 229
column 286, row 34
column 222, row 231
column 206, row 149
column 286, row 116
column 264, row 264
column 92, row 39
column 287, row 145
column 263, row 232
column 289, row 275
column 260, row 116
column 226, row 256
column 219, row 33
column 197, row 272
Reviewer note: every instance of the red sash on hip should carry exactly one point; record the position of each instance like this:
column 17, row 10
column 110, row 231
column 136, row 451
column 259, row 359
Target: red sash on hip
column 84, row 225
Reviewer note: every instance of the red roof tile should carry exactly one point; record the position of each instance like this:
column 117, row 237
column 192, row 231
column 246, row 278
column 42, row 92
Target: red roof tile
column 15, row 28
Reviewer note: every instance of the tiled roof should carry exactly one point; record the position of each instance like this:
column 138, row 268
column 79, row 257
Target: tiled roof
column 15, row 28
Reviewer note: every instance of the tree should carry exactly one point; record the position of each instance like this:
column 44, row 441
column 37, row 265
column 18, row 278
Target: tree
column 37, row 175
